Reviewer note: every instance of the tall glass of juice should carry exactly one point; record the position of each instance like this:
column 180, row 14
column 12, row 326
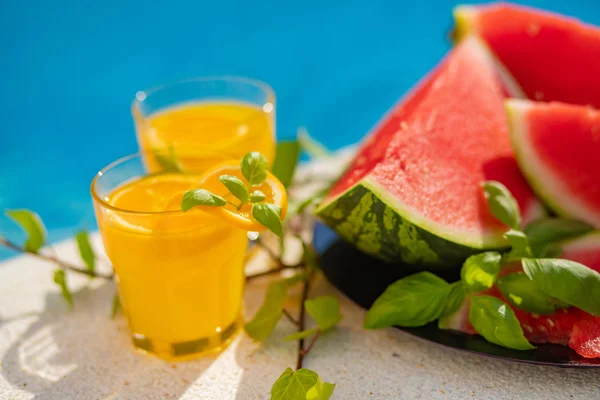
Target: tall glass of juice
column 196, row 117
column 180, row 275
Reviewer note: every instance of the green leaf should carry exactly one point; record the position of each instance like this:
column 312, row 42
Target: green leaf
column 519, row 243
column 480, row 271
column 412, row 301
column 268, row 215
column 257, row 196
column 502, row 204
column 454, row 299
column 569, row 281
column 86, row 251
column 116, row 305
column 254, row 168
column 549, row 250
column 312, row 147
column 550, row 230
column 265, row 320
column 236, row 186
column 325, row 310
column 294, row 385
column 302, row 334
column 32, row 224
column 286, row 159
column 522, row 292
column 310, row 256
column 201, row 197
column 167, row 161
column 497, row 323
column 61, row 280
column 321, row 391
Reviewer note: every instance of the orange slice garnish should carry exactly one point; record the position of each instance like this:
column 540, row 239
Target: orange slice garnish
column 273, row 190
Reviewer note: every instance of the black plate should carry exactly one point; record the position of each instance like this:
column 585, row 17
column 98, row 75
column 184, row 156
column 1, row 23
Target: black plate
column 363, row 278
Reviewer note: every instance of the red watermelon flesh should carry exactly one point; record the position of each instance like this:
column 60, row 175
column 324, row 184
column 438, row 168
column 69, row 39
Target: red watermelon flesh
column 558, row 149
column 571, row 326
column 373, row 149
column 552, row 57
column 426, row 161
column 437, row 164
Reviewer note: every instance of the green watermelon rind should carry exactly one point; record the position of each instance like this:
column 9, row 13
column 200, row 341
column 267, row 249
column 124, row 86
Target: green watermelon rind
column 551, row 191
column 379, row 225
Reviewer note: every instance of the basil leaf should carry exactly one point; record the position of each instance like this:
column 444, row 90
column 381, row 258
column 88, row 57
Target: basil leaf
column 236, row 186
column 310, row 146
column 302, row 334
column 566, row 280
column 321, row 391
column 496, row 322
column 519, row 243
column 502, row 204
column 168, row 161
column 325, row 310
column 522, row 292
column 257, row 196
column 32, row 224
column 294, row 385
column 201, row 197
column 286, row 159
column 549, row 250
column 61, row 280
column 480, row 271
column 550, row 230
column 265, row 320
column 116, row 305
column 454, row 299
column 254, row 168
column 86, row 251
column 268, row 215
column 412, row 301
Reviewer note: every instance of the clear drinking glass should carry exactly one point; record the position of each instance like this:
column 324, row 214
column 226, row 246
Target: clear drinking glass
column 194, row 117
column 180, row 275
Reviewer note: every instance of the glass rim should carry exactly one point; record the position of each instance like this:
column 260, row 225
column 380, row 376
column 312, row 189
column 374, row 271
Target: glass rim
column 97, row 198
column 142, row 95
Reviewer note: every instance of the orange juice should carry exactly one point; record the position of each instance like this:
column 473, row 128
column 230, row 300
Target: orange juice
column 180, row 275
column 193, row 131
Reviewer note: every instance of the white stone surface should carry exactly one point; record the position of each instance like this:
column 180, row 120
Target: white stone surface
column 49, row 352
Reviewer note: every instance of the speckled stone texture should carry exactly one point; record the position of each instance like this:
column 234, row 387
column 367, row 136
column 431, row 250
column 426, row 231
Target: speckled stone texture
column 49, row 352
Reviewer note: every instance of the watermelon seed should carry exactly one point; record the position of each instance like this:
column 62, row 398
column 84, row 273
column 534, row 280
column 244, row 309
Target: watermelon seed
column 528, row 328
column 542, row 328
column 534, row 315
column 550, row 322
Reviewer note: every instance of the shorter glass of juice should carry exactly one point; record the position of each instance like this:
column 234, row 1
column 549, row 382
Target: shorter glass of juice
column 201, row 116
column 180, row 275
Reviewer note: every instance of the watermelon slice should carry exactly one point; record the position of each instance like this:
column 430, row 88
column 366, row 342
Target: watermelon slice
column 570, row 326
column 413, row 191
column 552, row 57
column 558, row 149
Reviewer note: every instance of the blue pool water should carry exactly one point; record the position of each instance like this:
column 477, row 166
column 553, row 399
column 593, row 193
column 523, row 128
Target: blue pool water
column 69, row 70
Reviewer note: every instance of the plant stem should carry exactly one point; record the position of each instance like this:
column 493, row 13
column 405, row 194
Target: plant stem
column 290, row 318
column 53, row 259
column 281, row 267
column 312, row 342
column 305, row 290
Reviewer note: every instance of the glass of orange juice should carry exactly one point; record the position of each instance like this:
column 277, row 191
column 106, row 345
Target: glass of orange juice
column 195, row 117
column 180, row 275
